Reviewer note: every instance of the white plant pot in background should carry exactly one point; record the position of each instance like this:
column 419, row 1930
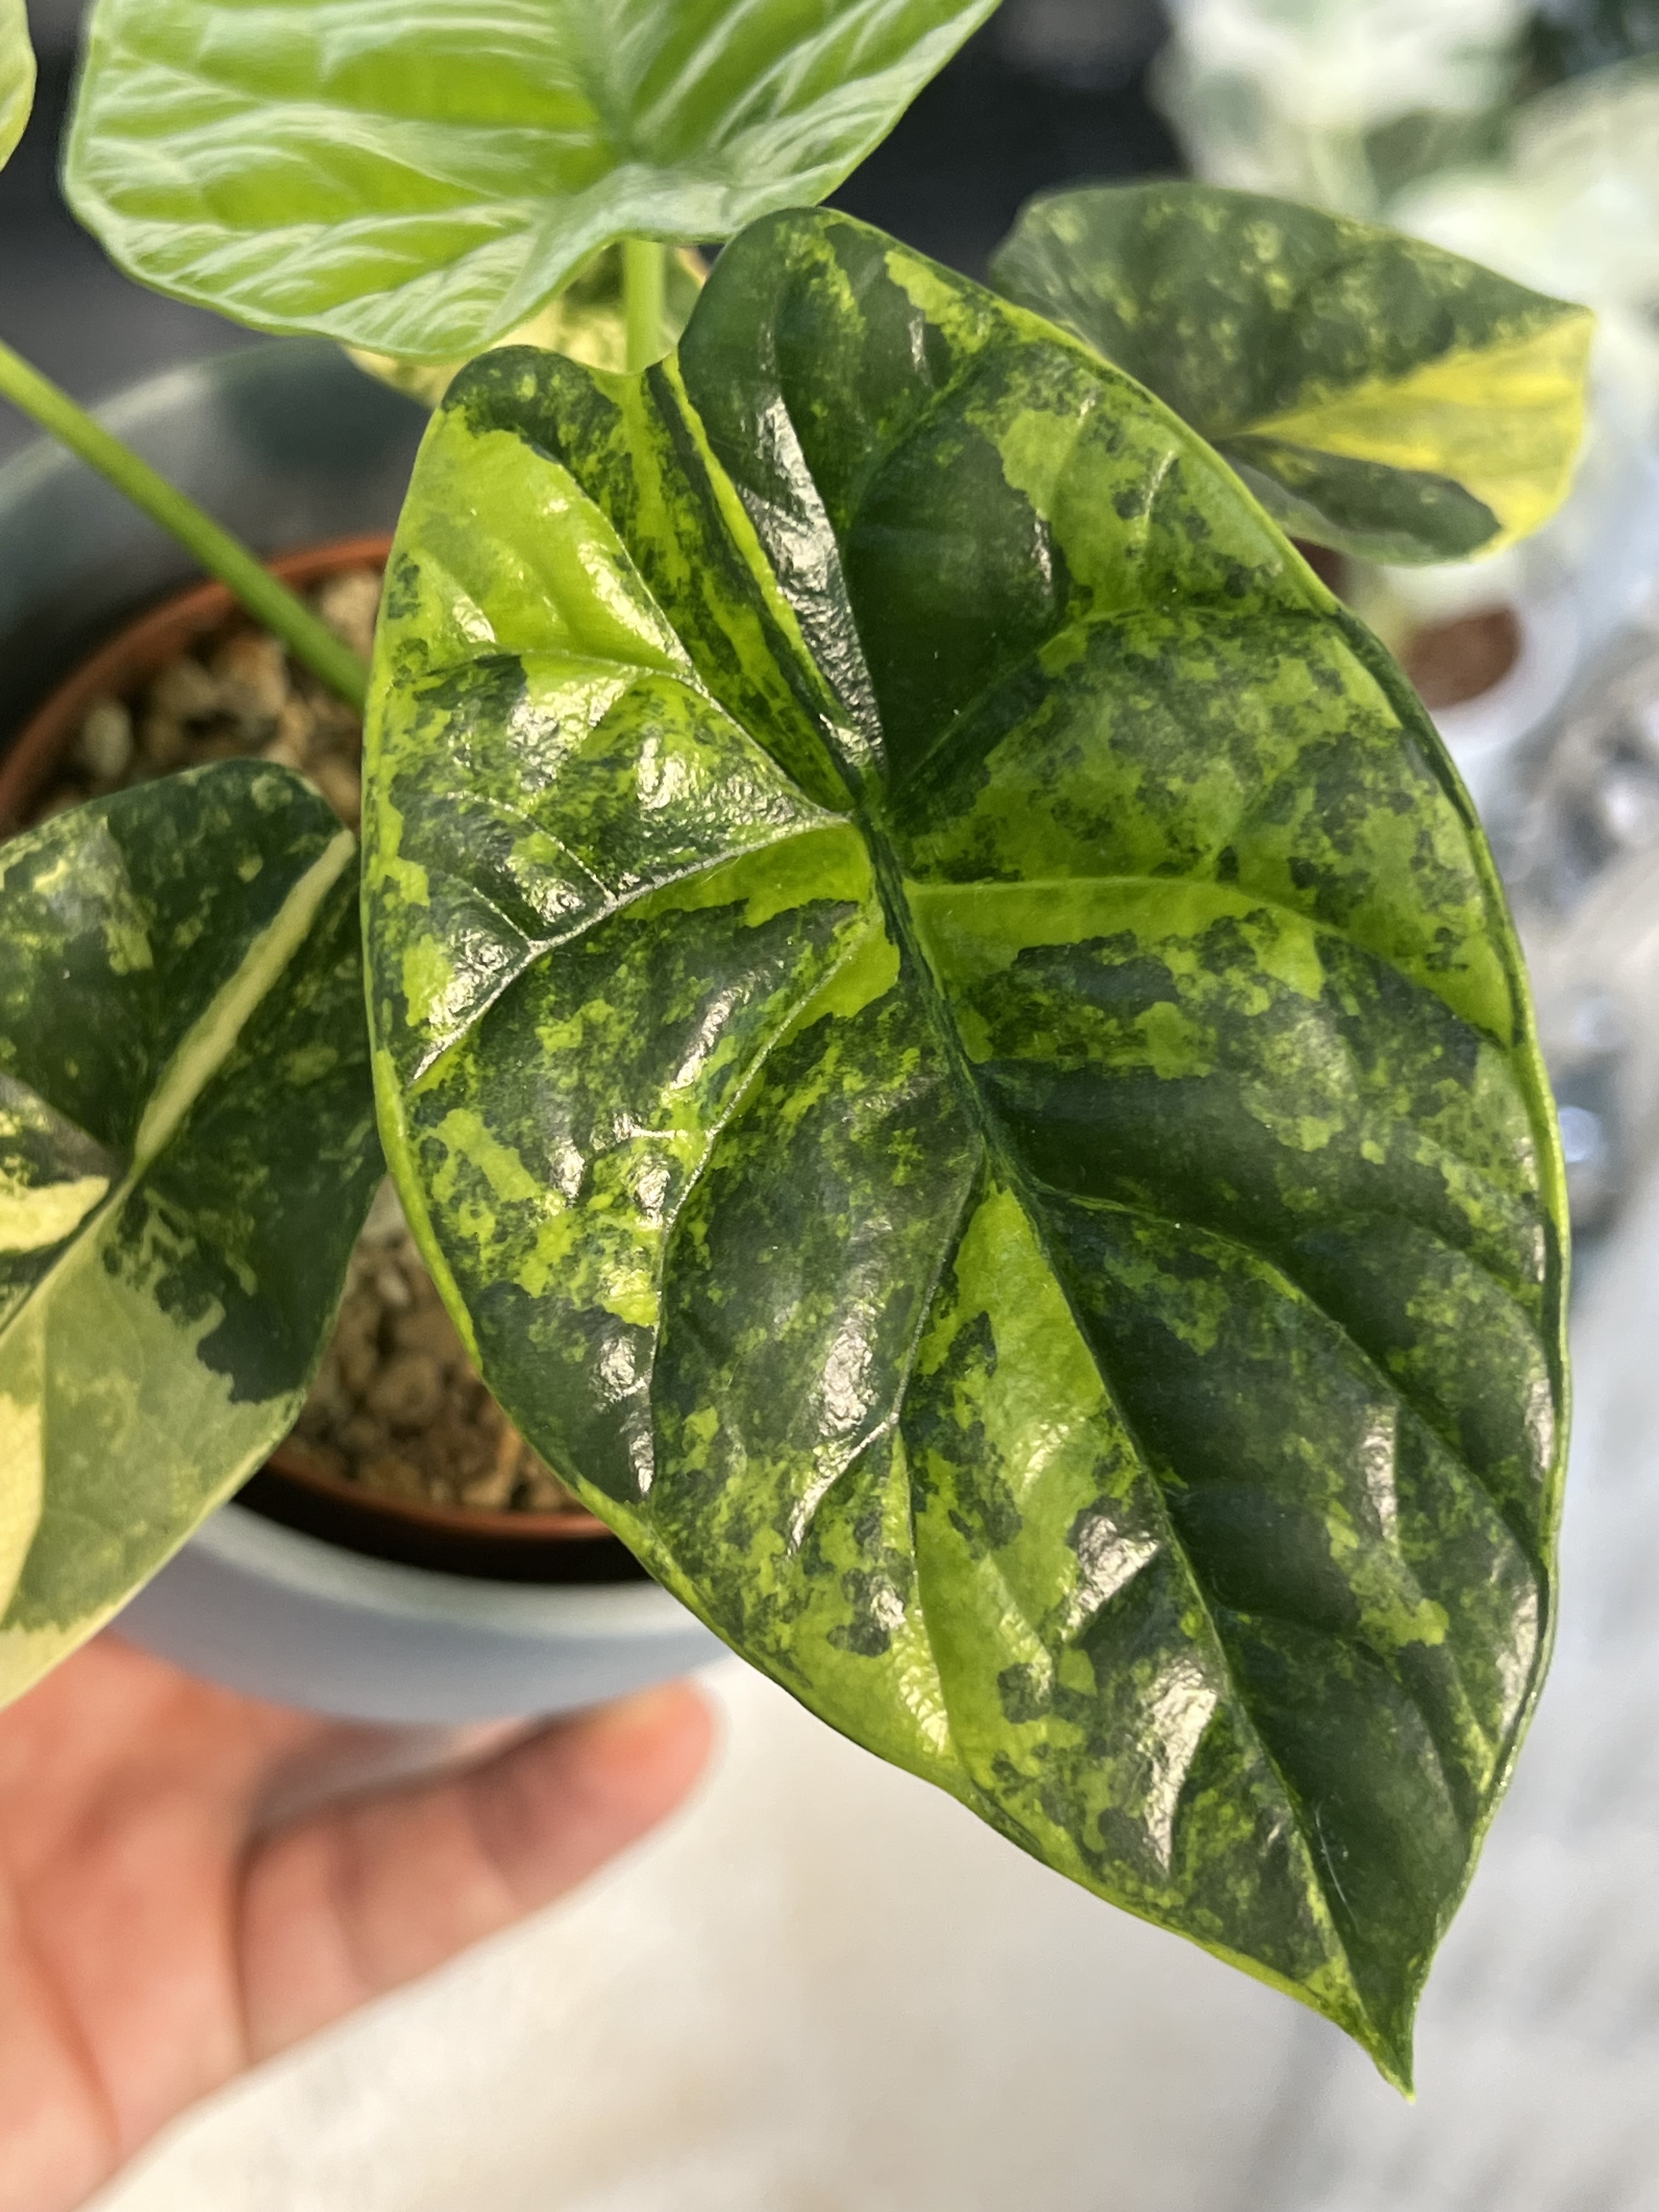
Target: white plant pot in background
column 285, row 1616
column 1484, row 734
column 1572, row 589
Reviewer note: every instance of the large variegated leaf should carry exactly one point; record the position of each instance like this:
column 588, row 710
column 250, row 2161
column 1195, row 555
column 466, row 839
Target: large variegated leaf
column 187, row 1150
column 1378, row 394
column 951, row 1037
column 420, row 178
column 16, row 75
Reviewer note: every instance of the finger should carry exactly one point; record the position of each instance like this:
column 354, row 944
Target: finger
column 59, row 2134
column 354, row 1900
column 112, row 1728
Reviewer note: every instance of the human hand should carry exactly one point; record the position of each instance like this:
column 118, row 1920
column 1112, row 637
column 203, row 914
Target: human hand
column 156, row 1938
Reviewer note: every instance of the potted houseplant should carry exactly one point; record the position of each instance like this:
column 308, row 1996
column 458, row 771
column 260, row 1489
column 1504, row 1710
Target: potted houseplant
column 260, row 1604
column 945, row 1028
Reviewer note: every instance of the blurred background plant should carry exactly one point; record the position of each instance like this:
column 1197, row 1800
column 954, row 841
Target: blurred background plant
column 1527, row 136
column 1337, row 101
column 1346, row 102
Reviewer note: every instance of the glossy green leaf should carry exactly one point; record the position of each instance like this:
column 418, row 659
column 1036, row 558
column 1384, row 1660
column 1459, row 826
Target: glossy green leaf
column 1378, row 394
column 951, row 1037
column 587, row 320
column 16, row 75
column 421, row 179
column 186, row 1151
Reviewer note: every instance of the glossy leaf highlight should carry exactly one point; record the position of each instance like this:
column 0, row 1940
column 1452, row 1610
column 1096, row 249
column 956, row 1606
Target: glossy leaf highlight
column 187, row 1150
column 952, row 1040
column 1378, row 394
column 420, row 179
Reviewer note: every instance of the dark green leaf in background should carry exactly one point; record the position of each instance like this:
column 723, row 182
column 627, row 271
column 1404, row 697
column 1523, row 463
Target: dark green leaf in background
column 188, row 1150
column 419, row 179
column 1378, row 394
column 951, row 1037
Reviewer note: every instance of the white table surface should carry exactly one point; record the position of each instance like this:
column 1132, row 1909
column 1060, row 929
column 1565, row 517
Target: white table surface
column 827, row 1989
column 824, row 1986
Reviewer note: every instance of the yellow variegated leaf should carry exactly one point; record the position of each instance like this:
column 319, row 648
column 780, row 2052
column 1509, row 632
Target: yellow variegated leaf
column 1377, row 393
column 1492, row 418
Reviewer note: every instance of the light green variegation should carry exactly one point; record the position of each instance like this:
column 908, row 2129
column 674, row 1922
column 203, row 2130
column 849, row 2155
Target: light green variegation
column 16, row 75
column 951, row 1039
column 186, row 1151
column 587, row 320
column 419, row 179
column 1378, row 394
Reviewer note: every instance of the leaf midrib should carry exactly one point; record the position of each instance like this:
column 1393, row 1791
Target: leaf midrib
column 890, row 891
column 1005, row 1163
column 893, row 894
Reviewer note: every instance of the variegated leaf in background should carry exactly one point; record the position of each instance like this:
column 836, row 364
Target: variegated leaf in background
column 418, row 180
column 187, row 1150
column 1378, row 394
column 952, row 1038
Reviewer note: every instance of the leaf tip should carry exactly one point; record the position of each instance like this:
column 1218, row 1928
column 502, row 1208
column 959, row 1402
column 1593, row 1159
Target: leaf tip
column 1392, row 2055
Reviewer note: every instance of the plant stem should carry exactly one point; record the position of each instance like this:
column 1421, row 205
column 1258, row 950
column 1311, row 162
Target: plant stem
column 267, row 600
column 645, row 262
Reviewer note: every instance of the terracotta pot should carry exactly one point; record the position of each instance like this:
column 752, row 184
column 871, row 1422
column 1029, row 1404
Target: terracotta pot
column 1453, row 662
column 181, row 623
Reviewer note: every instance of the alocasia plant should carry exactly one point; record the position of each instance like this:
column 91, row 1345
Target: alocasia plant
column 944, row 1022
column 954, row 1040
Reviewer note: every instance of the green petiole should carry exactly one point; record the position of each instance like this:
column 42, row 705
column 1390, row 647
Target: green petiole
column 266, row 599
column 645, row 262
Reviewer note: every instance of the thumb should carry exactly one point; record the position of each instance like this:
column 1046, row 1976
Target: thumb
column 352, row 1901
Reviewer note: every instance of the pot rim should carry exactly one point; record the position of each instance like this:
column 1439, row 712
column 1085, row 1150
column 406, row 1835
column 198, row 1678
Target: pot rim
column 143, row 645
column 288, row 1460
column 318, row 1569
column 278, row 1614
